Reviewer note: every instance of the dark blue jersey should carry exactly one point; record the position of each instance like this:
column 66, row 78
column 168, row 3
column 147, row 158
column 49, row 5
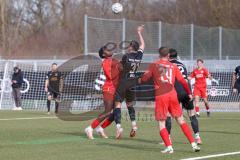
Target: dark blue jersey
column 178, row 86
column 54, row 80
column 237, row 73
column 131, row 63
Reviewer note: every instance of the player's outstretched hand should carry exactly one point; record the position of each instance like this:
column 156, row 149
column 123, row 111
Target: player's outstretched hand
column 140, row 28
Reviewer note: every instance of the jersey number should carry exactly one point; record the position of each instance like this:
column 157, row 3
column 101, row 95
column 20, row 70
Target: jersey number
column 167, row 77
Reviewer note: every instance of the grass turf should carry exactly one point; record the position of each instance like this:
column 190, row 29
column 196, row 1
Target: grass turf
column 54, row 139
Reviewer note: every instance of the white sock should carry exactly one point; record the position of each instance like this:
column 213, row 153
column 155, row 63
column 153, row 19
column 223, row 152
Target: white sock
column 134, row 123
column 118, row 126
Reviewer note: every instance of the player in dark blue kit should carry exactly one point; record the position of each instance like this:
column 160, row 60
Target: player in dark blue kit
column 53, row 87
column 183, row 97
column 236, row 80
column 130, row 63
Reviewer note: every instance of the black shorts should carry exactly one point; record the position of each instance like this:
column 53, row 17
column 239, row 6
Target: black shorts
column 183, row 97
column 53, row 94
column 185, row 101
column 124, row 90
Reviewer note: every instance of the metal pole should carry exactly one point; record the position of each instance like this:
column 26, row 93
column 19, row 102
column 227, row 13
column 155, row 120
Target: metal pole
column 85, row 34
column 220, row 43
column 123, row 32
column 191, row 49
column 160, row 34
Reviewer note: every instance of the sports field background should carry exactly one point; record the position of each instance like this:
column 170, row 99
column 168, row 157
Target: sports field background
column 35, row 135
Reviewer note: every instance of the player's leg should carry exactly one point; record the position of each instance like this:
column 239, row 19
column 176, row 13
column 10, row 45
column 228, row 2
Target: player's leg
column 130, row 101
column 55, row 97
column 176, row 112
column 189, row 106
column 108, row 121
column 197, row 94
column 49, row 98
column 205, row 100
column 119, row 98
column 108, row 106
column 161, row 112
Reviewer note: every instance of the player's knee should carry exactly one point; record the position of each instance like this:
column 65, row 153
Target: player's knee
column 49, row 98
column 180, row 120
column 117, row 105
column 162, row 124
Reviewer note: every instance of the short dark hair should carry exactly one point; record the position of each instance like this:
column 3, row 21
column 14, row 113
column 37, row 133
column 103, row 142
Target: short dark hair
column 134, row 45
column 101, row 52
column 54, row 64
column 173, row 53
column 200, row 60
column 163, row 51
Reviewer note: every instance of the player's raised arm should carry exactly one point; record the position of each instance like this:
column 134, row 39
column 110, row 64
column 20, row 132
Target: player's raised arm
column 140, row 29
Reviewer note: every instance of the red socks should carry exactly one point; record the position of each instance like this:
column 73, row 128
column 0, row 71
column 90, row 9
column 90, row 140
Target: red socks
column 165, row 137
column 95, row 123
column 106, row 123
column 197, row 109
column 186, row 130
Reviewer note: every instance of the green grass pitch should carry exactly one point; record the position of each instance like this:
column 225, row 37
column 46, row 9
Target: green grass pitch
column 54, row 139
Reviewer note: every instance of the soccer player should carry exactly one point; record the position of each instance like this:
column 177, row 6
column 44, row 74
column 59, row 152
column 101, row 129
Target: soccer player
column 236, row 80
column 53, row 87
column 183, row 97
column 164, row 74
column 111, row 68
column 200, row 87
column 130, row 63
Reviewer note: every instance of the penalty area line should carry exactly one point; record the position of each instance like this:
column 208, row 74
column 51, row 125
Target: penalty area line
column 213, row 156
column 30, row 118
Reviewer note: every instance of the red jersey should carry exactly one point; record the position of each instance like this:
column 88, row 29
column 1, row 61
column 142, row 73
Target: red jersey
column 164, row 74
column 111, row 69
column 200, row 76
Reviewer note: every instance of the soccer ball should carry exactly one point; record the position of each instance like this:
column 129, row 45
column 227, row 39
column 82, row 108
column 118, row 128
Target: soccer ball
column 117, row 8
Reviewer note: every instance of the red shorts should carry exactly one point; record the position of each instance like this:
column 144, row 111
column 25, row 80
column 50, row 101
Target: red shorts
column 109, row 93
column 200, row 92
column 167, row 103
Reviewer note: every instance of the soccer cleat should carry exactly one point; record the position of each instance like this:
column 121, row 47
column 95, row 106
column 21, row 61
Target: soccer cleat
column 15, row 108
column 195, row 147
column 169, row 150
column 133, row 131
column 119, row 132
column 198, row 140
column 197, row 114
column 89, row 132
column 208, row 113
column 101, row 132
column 19, row 108
column 48, row 113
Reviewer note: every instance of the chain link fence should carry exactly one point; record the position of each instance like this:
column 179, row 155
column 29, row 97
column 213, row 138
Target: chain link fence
column 191, row 41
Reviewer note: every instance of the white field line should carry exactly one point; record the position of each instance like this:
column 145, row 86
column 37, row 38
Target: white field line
column 30, row 118
column 213, row 156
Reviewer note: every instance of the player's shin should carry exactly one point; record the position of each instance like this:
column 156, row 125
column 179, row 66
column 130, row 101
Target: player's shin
column 187, row 132
column 48, row 105
column 108, row 121
column 56, row 107
column 169, row 125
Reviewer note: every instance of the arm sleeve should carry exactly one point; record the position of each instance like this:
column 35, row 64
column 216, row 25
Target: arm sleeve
column 206, row 72
column 192, row 75
column 148, row 74
column 181, row 79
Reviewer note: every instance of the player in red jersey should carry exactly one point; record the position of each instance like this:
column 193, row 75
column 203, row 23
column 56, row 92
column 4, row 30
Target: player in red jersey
column 200, row 88
column 164, row 74
column 111, row 68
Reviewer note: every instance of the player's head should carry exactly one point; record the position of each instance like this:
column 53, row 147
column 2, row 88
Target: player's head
column 200, row 63
column 164, row 52
column 104, row 52
column 16, row 69
column 54, row 67
column 173, row 53
column 133, row 46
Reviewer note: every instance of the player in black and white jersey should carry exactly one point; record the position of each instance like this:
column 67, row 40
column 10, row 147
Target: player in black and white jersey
column 236, row 80
column 183, row 97
column 130, row 63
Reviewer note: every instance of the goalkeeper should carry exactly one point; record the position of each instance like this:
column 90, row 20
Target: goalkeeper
column 53, row 87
